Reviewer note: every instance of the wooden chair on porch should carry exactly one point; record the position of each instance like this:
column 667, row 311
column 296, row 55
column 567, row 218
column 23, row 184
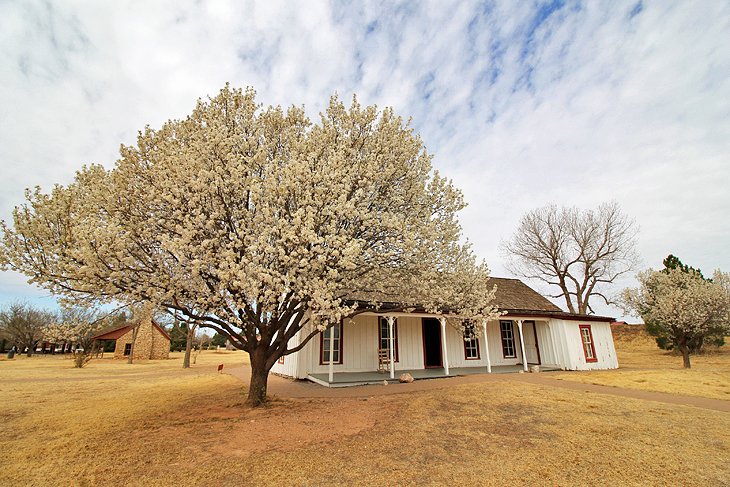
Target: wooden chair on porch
column 383, row 360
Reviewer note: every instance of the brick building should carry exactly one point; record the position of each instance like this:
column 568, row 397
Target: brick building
column 153, row 342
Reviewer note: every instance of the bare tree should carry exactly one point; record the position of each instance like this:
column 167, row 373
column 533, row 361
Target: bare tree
column 202, row 340
column 578, row 251
column 180, row 326
column 25, row 325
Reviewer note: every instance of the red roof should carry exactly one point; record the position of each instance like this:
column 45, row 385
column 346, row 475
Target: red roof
column 114, row 333
column 117, row 332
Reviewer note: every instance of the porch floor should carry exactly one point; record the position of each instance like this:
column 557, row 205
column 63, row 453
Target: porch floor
column 346, row 379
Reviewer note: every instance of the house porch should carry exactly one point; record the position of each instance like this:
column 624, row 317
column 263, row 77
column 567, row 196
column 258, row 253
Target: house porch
column 347, row 379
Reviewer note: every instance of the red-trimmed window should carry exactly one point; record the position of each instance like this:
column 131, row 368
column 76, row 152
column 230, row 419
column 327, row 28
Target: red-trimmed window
column 281, row 360
column 324, row 345
column 471, row 342
column 589, row 348
column 506, row 328
column 384, row 338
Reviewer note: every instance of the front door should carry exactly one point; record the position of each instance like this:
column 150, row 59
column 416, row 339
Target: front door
column 432, row 343
column 532, row 350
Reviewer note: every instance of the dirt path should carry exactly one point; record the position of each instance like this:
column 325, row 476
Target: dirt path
column 700, row 402
column 279, row 386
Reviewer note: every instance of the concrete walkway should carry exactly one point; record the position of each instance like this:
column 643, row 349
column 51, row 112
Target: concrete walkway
column 282, row 387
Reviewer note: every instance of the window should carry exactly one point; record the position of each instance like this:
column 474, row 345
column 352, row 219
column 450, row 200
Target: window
column 324, row 345
column 508, row 339
column 281, row 360
column 384, row 338
column 586, row 337
column 127, row 349
column 471, row 342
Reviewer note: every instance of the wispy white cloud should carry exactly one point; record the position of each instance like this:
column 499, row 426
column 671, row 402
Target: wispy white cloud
column 522, row 103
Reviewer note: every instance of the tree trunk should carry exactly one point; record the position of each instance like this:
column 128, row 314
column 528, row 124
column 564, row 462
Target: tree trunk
column 259, row 379
column 685, row 356
column 188, row 346
column 568, row 301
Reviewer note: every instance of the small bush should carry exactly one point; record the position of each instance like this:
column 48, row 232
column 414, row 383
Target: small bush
column 81, row 359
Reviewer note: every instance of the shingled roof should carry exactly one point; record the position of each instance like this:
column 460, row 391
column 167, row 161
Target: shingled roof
column 514, row 295
column 112, row 333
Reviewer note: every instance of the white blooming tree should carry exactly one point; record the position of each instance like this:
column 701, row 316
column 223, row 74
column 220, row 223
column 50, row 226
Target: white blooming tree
column 77, row 325
column 681, row 305
column 258, row 223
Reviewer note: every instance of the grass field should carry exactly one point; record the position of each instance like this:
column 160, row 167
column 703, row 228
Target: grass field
column 643, row 366
column 155, row 424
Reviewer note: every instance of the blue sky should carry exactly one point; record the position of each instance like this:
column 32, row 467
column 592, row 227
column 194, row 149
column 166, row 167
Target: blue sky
column 521, row 103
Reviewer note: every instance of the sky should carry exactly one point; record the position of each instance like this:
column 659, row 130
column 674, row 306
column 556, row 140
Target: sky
column 522, row 104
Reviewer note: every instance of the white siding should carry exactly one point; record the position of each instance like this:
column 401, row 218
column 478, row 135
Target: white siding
column 602, row 342
column 496, row 353
column 289, row 367
column 297, row 364
column 546, row 343
column 564, row 351
column 455, row 348
column 410, row 347
column 291, row 362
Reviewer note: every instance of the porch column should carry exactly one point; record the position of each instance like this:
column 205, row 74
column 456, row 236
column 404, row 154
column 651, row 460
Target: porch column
column 443, row 344
column 486, row 348
column 522, row 346
column 332, row 355
column 391, row 347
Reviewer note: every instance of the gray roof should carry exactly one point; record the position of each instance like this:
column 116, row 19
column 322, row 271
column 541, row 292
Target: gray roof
column 513, row 297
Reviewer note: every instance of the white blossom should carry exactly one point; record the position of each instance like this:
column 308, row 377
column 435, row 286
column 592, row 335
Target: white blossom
column 681, row 304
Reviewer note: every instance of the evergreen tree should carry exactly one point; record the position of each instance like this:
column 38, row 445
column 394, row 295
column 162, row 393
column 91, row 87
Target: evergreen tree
column 219, row 340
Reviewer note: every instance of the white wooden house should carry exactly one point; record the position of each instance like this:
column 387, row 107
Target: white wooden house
column 378, row 345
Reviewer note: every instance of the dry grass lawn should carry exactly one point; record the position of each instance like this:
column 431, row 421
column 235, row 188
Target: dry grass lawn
column 52, row 367
column 642, row 365
column 155, row 424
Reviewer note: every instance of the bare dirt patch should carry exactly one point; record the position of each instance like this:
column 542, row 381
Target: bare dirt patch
column 283, row 425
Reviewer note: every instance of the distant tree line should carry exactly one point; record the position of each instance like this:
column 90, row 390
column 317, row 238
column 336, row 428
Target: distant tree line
column 24, row 328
